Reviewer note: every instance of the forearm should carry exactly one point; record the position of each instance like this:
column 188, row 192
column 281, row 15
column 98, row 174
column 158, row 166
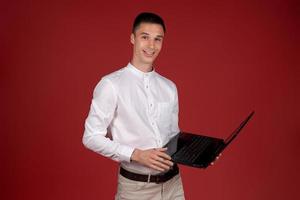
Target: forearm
column 106, row 147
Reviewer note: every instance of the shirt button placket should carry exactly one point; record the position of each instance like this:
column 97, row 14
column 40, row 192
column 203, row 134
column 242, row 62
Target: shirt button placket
column 151, row 107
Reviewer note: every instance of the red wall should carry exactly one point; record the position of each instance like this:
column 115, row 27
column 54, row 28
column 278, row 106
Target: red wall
column 226, row 59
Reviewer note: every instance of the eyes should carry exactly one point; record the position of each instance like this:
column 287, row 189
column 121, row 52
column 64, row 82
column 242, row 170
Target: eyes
column 147, row 37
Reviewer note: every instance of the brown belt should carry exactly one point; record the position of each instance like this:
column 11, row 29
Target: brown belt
column 159, row 178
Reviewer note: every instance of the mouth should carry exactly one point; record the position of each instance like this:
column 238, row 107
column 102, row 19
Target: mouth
column 148, row 53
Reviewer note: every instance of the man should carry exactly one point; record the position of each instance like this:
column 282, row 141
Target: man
column 139, row 108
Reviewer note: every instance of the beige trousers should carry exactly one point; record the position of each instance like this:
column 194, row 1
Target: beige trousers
column 135, row 190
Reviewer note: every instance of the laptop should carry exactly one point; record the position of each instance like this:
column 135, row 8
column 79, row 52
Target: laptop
column 199, row 150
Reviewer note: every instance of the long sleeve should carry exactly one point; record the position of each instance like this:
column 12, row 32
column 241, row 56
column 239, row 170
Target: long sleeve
column 102, row 110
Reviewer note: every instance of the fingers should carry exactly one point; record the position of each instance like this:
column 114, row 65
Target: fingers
column 160, row 166
column 217, row 158
column 160, row 153
column 161, row 149
column 160, row 160
column 163, row 160
column 169, row 163
column 163, row 157
column 156, row 167
column 154, row 158
column 213, row 162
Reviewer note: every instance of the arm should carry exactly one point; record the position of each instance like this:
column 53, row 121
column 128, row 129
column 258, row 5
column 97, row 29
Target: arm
column 101, row 113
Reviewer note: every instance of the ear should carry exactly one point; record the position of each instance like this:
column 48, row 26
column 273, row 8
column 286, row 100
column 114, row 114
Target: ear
column 132, row 38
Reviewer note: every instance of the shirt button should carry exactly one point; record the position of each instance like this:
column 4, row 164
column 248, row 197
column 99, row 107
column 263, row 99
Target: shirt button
column 152, row 123
column 147, row 86
column 150, row 104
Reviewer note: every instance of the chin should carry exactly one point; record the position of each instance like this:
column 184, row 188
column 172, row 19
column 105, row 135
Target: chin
column 149, row 60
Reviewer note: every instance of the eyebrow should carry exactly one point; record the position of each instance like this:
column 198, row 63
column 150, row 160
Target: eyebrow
column 144, row 33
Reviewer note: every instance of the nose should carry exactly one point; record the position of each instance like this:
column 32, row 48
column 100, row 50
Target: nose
column 151, row 44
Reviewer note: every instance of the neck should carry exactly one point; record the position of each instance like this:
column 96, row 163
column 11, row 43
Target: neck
column 142, row 67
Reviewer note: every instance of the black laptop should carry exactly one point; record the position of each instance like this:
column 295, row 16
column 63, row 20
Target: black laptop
column 199, row 150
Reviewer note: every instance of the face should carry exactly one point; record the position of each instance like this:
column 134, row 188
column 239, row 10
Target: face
column 147, row 42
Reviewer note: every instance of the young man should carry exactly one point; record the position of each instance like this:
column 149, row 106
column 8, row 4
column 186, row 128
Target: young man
column 139, row 107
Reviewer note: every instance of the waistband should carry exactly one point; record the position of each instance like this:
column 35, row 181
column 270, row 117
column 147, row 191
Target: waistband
column 158, row 178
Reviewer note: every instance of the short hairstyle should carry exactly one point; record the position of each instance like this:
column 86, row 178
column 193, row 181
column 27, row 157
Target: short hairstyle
column 147, row 17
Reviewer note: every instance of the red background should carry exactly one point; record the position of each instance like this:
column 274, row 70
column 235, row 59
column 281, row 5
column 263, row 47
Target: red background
column 227, row 58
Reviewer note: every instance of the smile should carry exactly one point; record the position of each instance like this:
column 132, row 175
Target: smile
column 148, row 53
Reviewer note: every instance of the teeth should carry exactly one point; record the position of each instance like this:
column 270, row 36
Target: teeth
column 149, row 52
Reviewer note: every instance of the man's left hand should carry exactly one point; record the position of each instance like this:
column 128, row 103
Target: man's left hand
column 213, row 162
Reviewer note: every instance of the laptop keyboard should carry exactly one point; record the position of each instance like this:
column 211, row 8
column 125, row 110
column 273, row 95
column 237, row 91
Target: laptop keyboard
column 190, row 153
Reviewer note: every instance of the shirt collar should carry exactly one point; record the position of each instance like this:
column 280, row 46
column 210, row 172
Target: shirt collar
column 139, row 72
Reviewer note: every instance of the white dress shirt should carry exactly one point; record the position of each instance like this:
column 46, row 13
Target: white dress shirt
column 139, row 110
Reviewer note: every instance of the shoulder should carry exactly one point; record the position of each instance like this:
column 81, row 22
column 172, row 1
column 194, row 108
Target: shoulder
column 109, row 81
column 165, row 81
column 114, row 77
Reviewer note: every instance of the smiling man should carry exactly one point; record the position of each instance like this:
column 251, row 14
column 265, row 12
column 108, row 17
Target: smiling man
column 139, row 108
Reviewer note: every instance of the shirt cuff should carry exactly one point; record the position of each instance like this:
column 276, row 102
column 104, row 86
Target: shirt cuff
column 125, row 153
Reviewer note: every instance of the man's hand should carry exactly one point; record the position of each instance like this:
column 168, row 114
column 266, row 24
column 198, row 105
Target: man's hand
column 154, row 158
column 213, row 162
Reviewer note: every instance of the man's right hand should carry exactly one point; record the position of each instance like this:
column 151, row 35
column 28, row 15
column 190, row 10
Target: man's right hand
column 154, row 158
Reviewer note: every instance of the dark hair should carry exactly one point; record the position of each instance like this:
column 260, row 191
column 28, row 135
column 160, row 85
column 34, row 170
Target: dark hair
column 147, row 17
